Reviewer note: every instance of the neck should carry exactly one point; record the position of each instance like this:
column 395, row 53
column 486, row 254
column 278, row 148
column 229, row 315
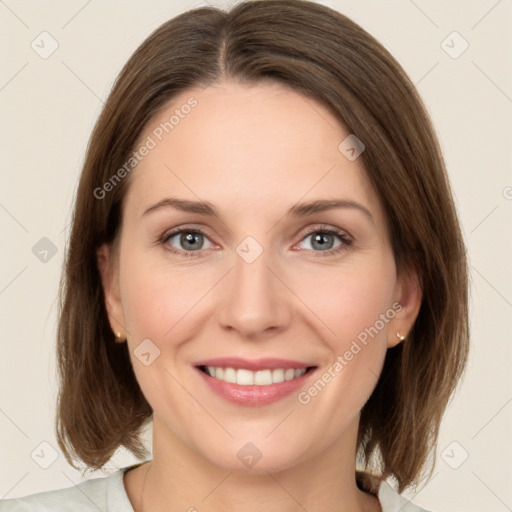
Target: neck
column 180, row 479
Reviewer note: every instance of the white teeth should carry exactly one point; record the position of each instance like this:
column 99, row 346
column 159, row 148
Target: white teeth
column 289, row 374
column 299, row 372
column 245, row 377
column 277, row 375
column 229, row 375
column 263, row 377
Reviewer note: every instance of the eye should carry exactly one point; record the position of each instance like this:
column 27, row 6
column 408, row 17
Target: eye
column 323, row 240
column 189, row 241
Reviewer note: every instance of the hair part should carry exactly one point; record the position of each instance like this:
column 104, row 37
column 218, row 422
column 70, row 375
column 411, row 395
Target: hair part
column 322, row 54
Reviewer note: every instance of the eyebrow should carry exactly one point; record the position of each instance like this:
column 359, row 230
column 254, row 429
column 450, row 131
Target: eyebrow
column 297, row 210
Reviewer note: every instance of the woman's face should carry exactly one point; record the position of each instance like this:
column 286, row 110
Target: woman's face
column 267, row 284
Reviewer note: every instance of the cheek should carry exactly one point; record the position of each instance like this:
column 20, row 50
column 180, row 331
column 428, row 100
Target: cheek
column 350, row 300
column 158, row 301
column 352, row 308
column 157, row 296
column 162, row 302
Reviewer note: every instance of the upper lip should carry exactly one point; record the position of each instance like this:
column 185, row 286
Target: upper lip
column 267, row 363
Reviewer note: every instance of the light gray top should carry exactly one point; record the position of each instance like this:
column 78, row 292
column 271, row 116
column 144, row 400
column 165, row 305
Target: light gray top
column 107, row 494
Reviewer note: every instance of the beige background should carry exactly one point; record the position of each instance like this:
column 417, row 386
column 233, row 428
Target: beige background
column 48, row 107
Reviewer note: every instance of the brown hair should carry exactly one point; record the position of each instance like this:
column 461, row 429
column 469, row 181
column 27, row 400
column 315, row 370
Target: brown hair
column 324, row 55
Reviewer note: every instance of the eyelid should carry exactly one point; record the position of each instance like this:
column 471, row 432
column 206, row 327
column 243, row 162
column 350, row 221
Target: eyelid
column 324, row 227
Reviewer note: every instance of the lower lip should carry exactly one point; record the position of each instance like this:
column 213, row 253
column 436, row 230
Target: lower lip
column 254, row 395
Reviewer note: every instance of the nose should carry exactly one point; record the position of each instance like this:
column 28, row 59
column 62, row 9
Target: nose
column 254, row 299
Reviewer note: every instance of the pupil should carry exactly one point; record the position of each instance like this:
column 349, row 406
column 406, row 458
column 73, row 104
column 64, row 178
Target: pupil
column 190, row 238
column 320, row 239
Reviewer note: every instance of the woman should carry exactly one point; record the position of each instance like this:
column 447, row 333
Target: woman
column 266, row 263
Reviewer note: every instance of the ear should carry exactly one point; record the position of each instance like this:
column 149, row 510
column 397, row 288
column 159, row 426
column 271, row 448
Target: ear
column 108, row 270
column 409, row 295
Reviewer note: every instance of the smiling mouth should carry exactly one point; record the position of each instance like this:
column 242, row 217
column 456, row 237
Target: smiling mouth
column 244, row 377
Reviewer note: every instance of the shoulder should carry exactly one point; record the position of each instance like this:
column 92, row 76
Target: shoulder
column 389, row 499
column 103, row 494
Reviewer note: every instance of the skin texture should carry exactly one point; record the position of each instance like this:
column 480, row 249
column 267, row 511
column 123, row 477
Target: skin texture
column 253, row 152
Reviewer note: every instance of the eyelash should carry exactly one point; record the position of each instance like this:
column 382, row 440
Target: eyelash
column 346, row 241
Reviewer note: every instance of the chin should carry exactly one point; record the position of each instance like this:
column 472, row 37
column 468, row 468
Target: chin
column 256, row 456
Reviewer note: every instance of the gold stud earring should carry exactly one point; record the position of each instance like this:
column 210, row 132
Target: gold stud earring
column 399, row 336
column 119, row 337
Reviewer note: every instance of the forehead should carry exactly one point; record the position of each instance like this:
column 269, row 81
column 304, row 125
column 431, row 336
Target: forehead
column 240, row 145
